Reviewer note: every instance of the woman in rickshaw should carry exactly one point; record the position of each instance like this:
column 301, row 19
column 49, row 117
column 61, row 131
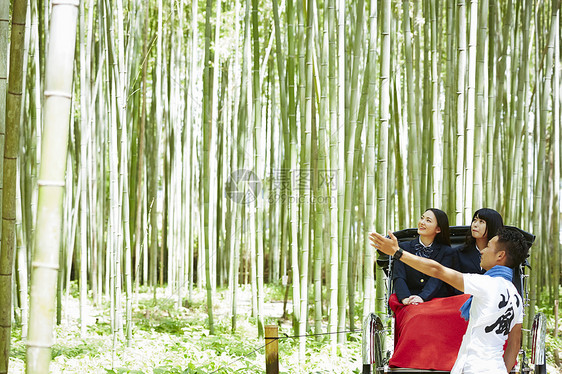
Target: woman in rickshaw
column 411, row 286
column 484, row 226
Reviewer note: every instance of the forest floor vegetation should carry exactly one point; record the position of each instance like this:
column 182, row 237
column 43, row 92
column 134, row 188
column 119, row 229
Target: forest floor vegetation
column 171, row 339
column 167, row 338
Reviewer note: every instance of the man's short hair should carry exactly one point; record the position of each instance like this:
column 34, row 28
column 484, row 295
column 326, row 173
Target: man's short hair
column 513, row 243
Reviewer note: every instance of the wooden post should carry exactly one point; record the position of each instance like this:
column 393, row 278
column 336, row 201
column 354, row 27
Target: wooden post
column 271, row 350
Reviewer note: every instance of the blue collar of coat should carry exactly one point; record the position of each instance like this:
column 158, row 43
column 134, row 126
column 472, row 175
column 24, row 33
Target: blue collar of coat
column 497, row 271
column 501, row 271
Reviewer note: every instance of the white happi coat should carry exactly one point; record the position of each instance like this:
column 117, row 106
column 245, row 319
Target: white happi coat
column 496, row 308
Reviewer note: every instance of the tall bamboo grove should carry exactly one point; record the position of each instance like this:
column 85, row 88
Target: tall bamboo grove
column 214, row 144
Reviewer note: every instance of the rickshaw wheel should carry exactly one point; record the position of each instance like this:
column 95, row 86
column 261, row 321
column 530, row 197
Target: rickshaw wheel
column 538, row 345
column 373, row 345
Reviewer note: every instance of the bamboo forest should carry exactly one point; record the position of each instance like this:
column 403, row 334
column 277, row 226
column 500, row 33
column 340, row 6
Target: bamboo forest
column 181, row 176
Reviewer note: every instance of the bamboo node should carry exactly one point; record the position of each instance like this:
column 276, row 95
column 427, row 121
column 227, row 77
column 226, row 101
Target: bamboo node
column 38, row 264
column 50, row 183
column 57, row 93
column 38, row 345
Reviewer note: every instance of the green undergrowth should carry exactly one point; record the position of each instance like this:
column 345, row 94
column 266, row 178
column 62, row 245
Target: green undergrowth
column 171, row 339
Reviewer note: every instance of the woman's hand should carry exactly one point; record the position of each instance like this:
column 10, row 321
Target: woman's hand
column 415, row 300
column 412, row 300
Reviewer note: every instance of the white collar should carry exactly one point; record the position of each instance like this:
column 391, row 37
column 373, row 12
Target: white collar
column 425, row 246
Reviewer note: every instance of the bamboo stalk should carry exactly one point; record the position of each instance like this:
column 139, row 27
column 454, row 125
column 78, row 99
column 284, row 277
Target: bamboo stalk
column 259, row 149
column 22, row 273
column 292, row 157
column 460, row 135
column 436, row 124
column 58, row 90
column 141, row 151
column 413, row 156
column 427, row 127
column 555, row 137
column 369, row 262
column 11, row 150
column 207, row 124
column 4, row 42
column 479, row 178
column 470, row 112
column 382, row 155
column 334, row 164
column 522, row 116
column 488, row 162
column 537, row 220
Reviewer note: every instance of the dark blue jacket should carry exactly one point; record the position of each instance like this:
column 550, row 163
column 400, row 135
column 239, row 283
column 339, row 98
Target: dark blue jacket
column 408, row 281
column 467, row 260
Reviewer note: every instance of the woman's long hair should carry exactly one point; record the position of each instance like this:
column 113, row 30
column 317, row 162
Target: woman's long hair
column 494, row 222
column 444, row 236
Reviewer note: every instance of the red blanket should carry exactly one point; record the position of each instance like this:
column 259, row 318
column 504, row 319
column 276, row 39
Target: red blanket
column 427, row 335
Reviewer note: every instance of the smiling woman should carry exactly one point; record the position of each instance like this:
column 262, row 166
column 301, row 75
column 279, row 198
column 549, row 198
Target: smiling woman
column 412, row 286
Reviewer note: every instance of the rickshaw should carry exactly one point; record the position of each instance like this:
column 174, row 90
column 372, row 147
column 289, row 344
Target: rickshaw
column 378, row 359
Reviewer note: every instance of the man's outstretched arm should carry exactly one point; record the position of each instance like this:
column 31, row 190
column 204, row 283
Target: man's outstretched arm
column 432, row 268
